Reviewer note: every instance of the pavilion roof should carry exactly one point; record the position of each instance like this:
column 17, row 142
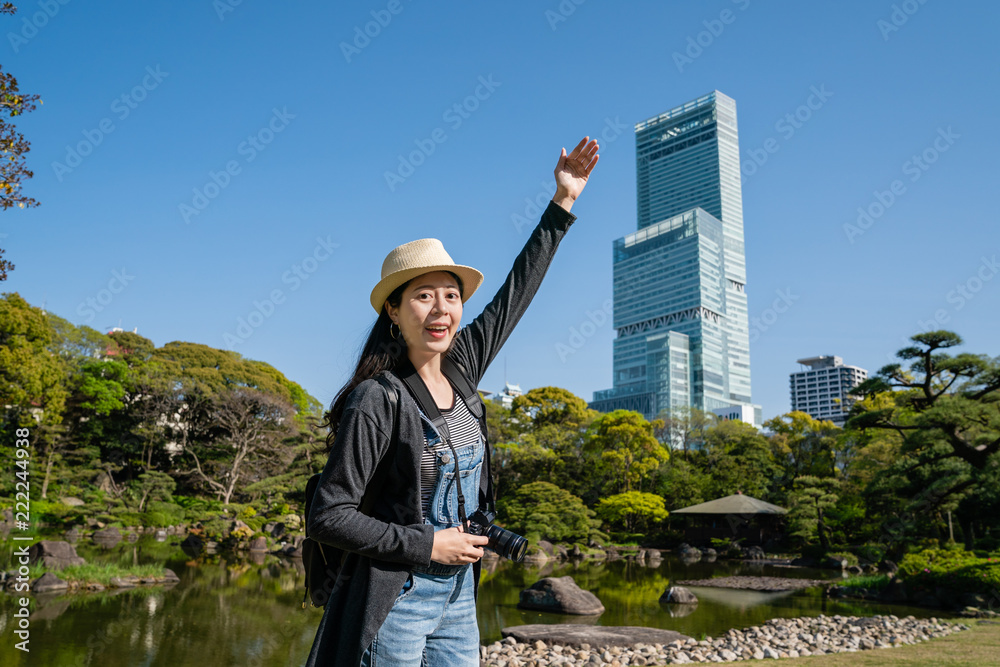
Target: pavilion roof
column 734, row 504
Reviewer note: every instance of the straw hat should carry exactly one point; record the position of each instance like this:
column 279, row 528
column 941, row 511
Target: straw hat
column 417, row 258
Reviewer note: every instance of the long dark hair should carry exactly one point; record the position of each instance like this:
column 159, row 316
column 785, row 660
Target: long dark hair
column 380, row 352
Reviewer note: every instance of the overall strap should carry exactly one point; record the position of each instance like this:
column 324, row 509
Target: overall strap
column 459, row 377
column 422, row 395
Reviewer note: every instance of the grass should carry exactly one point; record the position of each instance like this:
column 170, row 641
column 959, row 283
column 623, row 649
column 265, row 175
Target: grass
column 973, row 648
column 99, row 573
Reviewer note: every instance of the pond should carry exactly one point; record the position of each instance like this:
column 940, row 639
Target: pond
column 233, row 610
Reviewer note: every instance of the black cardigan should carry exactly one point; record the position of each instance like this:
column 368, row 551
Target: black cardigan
column 383, row 547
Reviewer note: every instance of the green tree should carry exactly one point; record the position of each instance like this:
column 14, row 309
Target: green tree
column 552, row 405
column 739, row 459
column 811, row 498
column 627, row 447
column 154, row 485
column 684, row 427
column 943, row 408
column 683, row 483
column 543, row 509
column 251, row 425
column 803, row 446
column 633, row 510
column 940, row 398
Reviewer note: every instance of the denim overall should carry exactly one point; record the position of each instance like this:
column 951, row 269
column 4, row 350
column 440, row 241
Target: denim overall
column 433, row 623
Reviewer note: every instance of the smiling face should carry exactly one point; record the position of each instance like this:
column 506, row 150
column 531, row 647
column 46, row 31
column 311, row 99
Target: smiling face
column 428, row 315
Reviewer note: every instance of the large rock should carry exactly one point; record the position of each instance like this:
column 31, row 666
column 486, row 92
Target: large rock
column 71, row 501
column 258, row 544
column 547, row 547
column 678, row 595
column 48, row 583
column 888, row 566
column 560, row 595
column 595, row 635
column 54, row 554
column 754, row 553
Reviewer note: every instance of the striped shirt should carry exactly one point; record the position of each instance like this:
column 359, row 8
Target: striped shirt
column 464, row 429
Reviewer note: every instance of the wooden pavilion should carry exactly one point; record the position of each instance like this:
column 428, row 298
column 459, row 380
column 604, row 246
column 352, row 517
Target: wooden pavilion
column 736, row 517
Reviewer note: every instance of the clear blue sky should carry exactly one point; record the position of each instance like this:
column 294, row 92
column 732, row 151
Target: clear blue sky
column 310, row 190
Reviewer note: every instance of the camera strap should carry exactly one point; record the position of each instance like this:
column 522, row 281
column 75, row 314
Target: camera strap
column 422, row 395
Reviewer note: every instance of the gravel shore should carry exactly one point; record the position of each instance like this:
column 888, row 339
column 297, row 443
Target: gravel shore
column 777, row 638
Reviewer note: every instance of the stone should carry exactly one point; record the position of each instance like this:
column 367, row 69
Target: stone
column 123, row 582
column 258, row 544
column 71, row 501
column 855, row 569
column 54, row 554
column 560, row 595
column 888, row 566
column 584, row 636
column 754, row 553
column 678, row 595
column 48, row 583
column 547, row 547
column 170, row 575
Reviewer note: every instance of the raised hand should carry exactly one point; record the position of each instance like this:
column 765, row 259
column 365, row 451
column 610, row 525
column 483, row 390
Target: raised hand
column 573, row 170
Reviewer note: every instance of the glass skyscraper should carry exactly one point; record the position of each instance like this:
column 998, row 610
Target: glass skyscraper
column 680, row 306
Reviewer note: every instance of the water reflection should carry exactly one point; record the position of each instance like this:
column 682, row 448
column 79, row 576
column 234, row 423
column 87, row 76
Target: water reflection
column 246, row 610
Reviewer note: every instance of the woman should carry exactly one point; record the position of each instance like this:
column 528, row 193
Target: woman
column 406, row 590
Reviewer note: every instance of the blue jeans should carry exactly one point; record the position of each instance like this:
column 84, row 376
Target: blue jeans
column 433, row 623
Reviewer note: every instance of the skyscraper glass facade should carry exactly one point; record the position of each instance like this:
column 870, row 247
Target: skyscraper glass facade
column 680, row 307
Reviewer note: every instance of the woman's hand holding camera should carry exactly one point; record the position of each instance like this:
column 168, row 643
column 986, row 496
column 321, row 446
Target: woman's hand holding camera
column 452, row 546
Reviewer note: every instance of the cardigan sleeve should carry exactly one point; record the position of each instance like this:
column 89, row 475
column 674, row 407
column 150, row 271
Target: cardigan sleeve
column 478, row 343
column 334, row 517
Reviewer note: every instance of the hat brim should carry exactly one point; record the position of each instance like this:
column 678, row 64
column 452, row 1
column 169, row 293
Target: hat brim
column 471, row 281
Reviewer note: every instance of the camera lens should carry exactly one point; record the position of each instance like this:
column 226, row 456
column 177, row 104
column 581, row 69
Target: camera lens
column 507, row 544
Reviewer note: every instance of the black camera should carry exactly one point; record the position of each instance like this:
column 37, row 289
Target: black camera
column 503, row 542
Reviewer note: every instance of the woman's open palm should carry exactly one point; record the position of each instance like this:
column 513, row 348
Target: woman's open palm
column 573, row 170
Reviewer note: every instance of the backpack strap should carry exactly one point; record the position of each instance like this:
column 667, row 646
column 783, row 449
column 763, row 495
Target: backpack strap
column 372, row 491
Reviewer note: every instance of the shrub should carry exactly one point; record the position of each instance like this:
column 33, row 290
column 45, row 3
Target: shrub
column 545, row 509
column 956, row 571
column 870, row 553
column 632, row 510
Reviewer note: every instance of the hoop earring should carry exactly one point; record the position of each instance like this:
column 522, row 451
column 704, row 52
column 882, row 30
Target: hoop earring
column 393, row 335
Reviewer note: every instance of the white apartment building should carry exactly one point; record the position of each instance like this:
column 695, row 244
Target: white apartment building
column 821, row 391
